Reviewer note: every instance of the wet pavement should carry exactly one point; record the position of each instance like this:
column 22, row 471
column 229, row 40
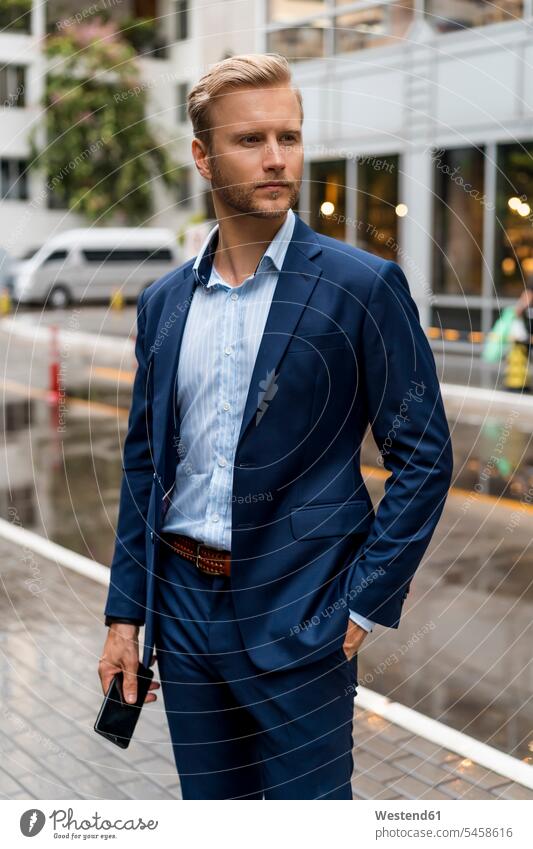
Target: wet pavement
column 462, row 654
column 50, row 643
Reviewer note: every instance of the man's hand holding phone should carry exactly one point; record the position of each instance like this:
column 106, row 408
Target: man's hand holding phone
column 121, row 654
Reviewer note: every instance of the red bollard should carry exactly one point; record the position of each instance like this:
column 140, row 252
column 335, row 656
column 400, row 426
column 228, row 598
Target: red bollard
column 53, row 370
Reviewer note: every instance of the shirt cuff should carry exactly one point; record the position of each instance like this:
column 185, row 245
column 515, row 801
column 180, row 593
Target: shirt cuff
column 367, row 624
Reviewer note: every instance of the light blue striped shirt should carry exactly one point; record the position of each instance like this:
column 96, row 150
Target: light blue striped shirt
column 220, row 342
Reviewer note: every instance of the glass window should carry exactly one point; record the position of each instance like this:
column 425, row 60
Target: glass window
column 372, row 26
column 459, row 204
column 328, row 197
column 56, row 256
column 182, row 20
column 183, row 90
column 13, row 182
column 464, row 321
column 127, row 255
column 513, row 258
column 15, row 16
column 377, row 205
column 12, row 86
column 450, row 15
column 297, row 43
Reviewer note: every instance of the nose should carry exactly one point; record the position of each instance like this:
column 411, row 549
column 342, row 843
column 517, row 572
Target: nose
column 274, row 155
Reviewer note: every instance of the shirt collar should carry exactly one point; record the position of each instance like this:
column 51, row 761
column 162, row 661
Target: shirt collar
column 275, row 252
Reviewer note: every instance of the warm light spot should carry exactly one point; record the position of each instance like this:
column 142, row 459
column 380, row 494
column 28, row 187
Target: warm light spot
column 327, row 208
column 524, row 209
column 401, row 210
column 508, row 265
column 514, row 203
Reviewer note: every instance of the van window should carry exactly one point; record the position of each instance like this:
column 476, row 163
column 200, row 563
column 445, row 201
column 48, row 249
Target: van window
column 55, row 256
column 128, row 255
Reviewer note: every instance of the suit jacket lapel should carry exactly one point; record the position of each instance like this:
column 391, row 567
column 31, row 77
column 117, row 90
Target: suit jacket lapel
column 297, row 279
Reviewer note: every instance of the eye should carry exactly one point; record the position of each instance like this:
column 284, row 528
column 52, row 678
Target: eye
column 247, row 138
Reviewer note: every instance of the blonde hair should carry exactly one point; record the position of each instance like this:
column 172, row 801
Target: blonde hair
column 248, row 70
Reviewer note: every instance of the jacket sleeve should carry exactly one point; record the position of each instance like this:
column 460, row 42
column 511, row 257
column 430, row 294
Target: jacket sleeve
column 127, row 587
column 410, row 428
column 110, row 619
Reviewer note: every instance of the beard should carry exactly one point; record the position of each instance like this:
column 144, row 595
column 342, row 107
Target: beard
column 241, row 198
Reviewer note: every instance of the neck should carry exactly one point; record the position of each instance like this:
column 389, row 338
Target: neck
column 242, row 241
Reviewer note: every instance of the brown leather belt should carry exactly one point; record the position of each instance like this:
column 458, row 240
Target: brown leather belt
column 214, row 561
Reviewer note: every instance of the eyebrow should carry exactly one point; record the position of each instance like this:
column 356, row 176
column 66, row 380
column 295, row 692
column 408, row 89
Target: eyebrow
column 257, row 132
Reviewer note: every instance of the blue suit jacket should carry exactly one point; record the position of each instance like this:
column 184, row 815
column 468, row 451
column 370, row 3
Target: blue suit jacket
column 342, row 348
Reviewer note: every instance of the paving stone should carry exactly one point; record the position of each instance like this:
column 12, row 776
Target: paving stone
column 97, row 787
column 461, row 789
column 40, row 787
column 420, row 768
column 142, row 789
column 385, row 749
column 8, row 785
column 374, row 767
column 367, row 788
column 478, row 775
column 67, row 766
column 438, row 754
column 513, row 791
column 156, row 770
column 18, row 763
column 411, row 787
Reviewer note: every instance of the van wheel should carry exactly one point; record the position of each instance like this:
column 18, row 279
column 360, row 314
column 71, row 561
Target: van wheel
column 59, row 297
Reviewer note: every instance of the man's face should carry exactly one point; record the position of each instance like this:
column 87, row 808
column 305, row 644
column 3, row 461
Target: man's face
column 256, row 139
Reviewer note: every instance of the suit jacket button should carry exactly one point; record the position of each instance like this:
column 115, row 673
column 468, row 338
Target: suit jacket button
column 152, row 535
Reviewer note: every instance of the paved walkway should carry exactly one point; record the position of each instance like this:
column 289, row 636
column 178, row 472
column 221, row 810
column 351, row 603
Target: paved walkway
column 51, row 636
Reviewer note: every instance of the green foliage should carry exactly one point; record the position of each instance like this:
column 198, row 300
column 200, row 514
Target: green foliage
column 102, row 156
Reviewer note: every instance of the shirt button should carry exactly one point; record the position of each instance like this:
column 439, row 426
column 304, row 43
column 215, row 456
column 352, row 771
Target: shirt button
column 234, row 296
column 215, row 517
column 228, row 349
column 222, row 461
column 226, row 405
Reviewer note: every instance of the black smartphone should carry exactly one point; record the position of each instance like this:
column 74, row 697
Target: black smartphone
column 117, row 719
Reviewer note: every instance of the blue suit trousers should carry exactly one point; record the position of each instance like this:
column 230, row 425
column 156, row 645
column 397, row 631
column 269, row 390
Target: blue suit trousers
column 238, row 732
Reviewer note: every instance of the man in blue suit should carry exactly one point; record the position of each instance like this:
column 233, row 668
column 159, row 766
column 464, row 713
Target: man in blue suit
column 247, row 543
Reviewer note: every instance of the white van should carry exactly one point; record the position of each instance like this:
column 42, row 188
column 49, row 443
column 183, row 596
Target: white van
column 88, row 264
